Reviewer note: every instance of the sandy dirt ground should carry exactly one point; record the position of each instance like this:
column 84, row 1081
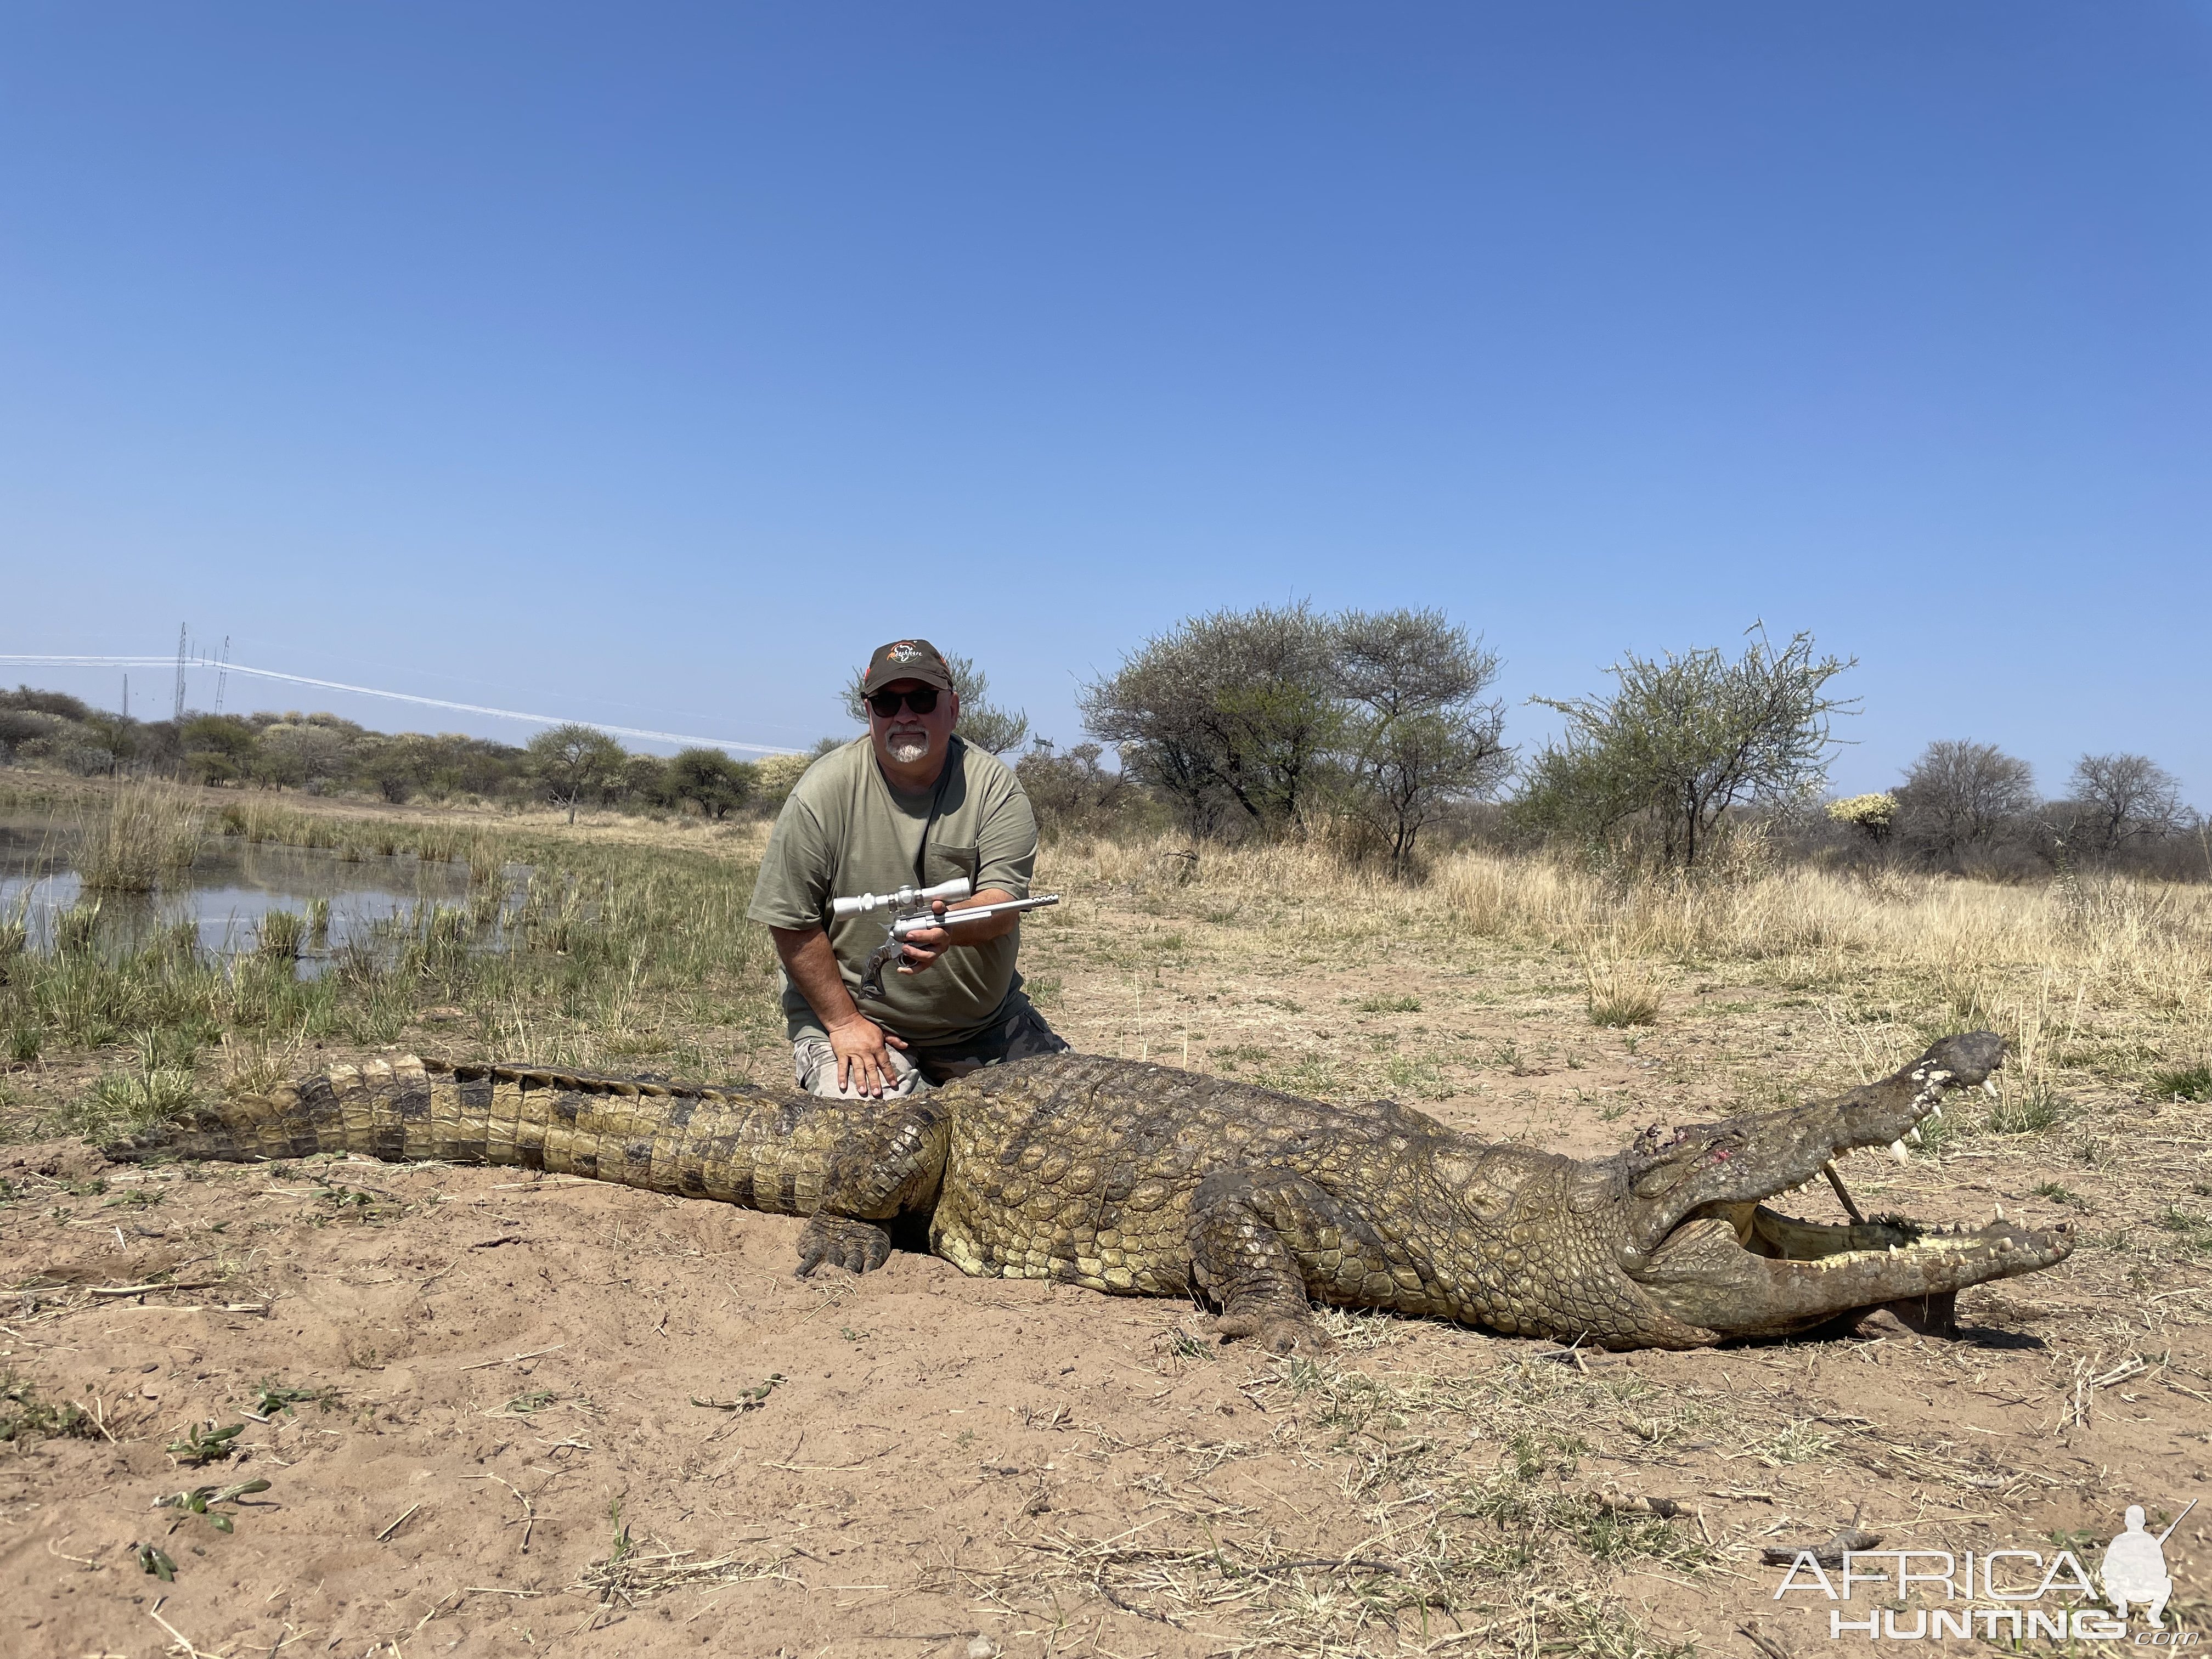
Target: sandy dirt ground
column 548, row 1412
column 497, row 1414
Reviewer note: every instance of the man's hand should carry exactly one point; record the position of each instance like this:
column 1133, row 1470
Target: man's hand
column 925, row 944
column 863, row 1063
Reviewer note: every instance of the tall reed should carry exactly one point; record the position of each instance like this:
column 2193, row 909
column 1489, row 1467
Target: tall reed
column 149, row 830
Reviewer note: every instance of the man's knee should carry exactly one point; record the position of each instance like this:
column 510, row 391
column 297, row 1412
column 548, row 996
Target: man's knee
column 814, row 1062
column 1031, row 1036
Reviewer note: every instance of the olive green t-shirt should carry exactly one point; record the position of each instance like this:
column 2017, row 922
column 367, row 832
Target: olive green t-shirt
column 845, row 830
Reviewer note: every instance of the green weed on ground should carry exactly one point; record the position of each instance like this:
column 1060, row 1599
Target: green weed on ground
column 24, row 1416
column 2183, row 1083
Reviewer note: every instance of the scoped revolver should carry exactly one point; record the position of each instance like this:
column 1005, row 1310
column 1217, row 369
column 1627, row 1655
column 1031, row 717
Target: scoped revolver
column 913, row 913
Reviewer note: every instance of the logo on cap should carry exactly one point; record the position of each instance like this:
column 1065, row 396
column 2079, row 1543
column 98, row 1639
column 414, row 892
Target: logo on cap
column 902, row 652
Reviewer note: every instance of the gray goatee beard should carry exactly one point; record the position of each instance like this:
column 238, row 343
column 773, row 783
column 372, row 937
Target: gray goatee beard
column 907, row 747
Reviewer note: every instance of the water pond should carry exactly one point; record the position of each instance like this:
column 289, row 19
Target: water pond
column 231, row 888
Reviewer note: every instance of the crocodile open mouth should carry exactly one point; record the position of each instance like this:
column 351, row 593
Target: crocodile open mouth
column 1761, row 1231
column 1745, row 1269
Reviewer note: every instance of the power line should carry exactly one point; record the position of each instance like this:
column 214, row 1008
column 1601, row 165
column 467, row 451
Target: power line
column 13, row 659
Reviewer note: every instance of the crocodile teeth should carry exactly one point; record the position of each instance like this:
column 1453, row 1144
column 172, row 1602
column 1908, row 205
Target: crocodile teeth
column 1913, row 1135
column 1997, row 1213
column 1936, row 1109
column 1990, row 1087
column 1897, row 1150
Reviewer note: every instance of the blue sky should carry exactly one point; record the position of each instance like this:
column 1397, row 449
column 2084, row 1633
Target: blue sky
column 652, row 363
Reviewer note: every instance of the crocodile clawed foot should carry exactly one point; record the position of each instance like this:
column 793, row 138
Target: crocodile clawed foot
column 842, row 1241
column 1275, row 1330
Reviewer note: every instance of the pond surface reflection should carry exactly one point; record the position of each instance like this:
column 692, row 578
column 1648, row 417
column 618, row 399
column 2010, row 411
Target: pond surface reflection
column 230, row 888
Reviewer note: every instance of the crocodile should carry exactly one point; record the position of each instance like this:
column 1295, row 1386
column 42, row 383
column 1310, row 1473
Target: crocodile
column 1143, row 1180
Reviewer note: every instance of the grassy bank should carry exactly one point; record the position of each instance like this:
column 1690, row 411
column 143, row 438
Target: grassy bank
column 567, row 950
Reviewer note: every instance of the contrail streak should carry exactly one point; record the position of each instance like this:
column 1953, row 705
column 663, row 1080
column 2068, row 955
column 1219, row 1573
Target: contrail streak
column 10, row 660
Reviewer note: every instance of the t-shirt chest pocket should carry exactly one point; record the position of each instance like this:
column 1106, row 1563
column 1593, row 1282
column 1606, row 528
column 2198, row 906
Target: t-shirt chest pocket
column 942, row 863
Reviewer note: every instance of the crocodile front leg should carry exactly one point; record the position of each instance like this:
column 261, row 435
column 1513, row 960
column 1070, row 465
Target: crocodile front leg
column 889, row 1166
column 1254, row 1236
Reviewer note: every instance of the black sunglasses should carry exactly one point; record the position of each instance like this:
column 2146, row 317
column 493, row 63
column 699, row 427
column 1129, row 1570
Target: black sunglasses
column 886, row 703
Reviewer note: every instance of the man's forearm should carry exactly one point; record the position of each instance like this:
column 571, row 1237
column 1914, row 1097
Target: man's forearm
column 812, row 962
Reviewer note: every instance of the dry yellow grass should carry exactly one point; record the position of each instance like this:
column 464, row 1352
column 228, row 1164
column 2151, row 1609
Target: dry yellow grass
column 2034, row 953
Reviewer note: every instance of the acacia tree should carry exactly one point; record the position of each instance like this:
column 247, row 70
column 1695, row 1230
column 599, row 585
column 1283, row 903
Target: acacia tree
column 2118, row 799
column 1235, row 712
column 1960, row 794
column 572, row 761
column 1422, row 733
column 1684, row 739
column 712, row 780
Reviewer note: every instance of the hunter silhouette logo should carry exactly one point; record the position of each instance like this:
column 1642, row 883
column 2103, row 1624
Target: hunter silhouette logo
column 902, row 652
column 2135, row 1568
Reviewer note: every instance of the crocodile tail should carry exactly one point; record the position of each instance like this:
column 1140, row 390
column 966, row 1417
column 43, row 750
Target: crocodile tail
column 741, row 1145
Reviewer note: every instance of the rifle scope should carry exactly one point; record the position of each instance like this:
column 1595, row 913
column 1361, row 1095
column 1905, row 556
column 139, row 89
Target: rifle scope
column 905, row 899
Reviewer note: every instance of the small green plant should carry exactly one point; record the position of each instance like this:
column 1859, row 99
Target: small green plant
column 318, row 921
column 2193, row 1231
column 271, row 1396
column 150, row 1087
column 537, row 1399
column 1527, row 1454
column 747, row 1399
column 200, row 1501
column 25, row 1041
column 24, row 1416
column 204, row 1444
column 1413, row 1073
column 2183, row 1082
column 2058, row 1194
column 1801, row 1442
column 1389, row 1005
column 2035, row 1109
column 622, row 1546
column 150, row 1558
column 1234, row 1055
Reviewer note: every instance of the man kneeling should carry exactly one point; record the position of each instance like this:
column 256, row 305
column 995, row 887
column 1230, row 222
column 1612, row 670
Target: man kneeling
column 909, row 804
